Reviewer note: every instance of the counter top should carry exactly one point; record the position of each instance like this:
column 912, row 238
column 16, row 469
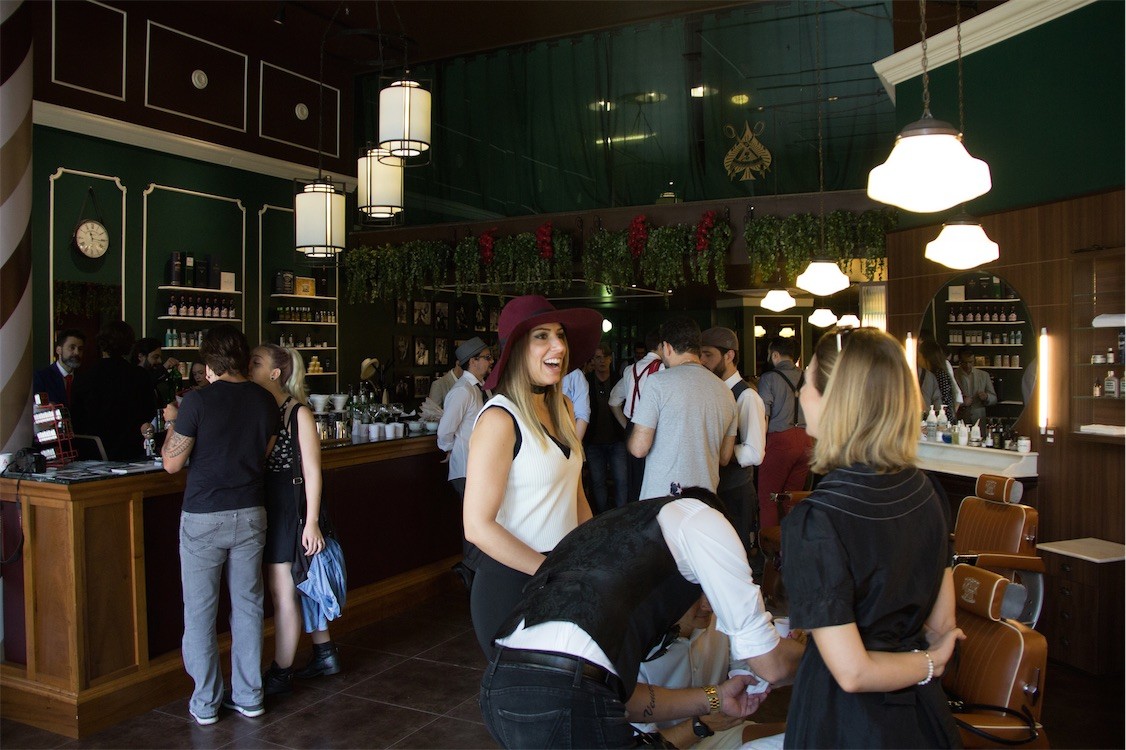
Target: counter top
column 962, row 460
column 1089, row 549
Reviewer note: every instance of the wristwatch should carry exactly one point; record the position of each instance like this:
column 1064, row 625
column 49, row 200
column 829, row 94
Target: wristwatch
column 700, row 729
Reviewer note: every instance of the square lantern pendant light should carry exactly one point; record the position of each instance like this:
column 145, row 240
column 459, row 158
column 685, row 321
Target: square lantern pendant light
column 404, row 122
column 929, row 169
column 379, row 193
column 319, row 218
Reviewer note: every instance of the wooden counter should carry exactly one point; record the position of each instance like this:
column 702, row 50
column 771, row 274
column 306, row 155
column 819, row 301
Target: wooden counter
column 93, row 609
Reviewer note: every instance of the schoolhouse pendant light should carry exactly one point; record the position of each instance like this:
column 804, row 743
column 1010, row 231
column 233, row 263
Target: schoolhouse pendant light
column 404, row 121
column 822, row 278
column 778, row 300
column 929, row 169
column 848, row 321
column 379, row 193
column 962, row 244
column 318, row 215
column 822, row 317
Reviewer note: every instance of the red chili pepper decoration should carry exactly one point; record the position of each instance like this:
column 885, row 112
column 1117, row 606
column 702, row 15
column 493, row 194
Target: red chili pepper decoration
column 638, row 235
column 703, row 229
column 544, row 241
column 485, row 245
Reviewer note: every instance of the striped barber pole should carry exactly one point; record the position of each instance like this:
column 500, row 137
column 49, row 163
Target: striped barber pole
column 15, row 224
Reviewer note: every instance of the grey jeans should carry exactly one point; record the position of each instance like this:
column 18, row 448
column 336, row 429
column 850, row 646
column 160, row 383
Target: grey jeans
column 207, row 542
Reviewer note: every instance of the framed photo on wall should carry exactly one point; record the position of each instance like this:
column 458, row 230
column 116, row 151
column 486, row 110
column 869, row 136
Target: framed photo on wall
column 494, row 318
column 442, row 315
column 441, row 351
column 402, row 312
column 422, row 312
column 480, row 318
column 421, row 386
column 403, row 350
column 404, row 388
column 461, row 316
column 422, row 350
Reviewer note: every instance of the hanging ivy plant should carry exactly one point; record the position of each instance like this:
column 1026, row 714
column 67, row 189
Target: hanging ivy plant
column 801, row 237
column 709, row 257
column 87, row 299
column 763, row 235
column 607, row 260
column 389, row 271
column 871, row 239
column 361, row 272
column 840, row 237
column 467, row 264
column 662, row 263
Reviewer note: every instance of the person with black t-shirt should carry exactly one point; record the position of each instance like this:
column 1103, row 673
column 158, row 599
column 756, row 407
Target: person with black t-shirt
column 605, row 440
column 228, row 429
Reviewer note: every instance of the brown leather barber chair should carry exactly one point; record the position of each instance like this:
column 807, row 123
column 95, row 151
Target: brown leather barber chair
column 1000, row 665
column 770, row 541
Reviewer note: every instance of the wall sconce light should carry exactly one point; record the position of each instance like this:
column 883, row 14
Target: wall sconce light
column 909, row 348
column 1042, row 384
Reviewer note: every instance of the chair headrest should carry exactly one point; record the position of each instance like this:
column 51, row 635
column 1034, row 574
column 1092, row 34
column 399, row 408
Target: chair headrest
column 979, row 591
column 999, row 489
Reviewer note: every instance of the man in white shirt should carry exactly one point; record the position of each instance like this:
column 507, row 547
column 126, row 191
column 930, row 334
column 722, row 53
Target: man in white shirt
column 576, row 388
column 463, row 402
column 624, row 397
column 719, row 350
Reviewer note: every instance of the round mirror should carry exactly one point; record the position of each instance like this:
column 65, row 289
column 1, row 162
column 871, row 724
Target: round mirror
column 982, row 327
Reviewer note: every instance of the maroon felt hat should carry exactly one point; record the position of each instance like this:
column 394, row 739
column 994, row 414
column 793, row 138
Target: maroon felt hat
column 582, row 325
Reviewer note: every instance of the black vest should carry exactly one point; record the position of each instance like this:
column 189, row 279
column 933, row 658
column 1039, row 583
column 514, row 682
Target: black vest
column 733, row 475
column 615, row 578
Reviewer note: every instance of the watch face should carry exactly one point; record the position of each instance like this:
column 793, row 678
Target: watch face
column 91, row 238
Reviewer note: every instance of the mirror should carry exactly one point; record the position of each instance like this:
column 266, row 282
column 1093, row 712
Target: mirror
column 768, row 327
column 984, row 316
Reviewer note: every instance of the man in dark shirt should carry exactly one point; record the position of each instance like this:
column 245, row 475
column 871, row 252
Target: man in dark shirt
column 57, row 379
column 605, row 439
column 228, row 429
column 114, row 399
column 162, row 373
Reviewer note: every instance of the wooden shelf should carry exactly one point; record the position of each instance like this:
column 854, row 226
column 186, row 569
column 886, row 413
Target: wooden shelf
column 196, row 289
column 1016, row 346
column 986, row 323
column 315, row 374
column 299, row 323
column 314, row 348
column 302, row 296
column 200, row 319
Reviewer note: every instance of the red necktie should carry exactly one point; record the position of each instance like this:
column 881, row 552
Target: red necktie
column 68, row 379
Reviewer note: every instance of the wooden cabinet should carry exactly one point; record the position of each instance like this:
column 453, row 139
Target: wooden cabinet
column 1083, row 616
column 308, row 323
column 1096, row 336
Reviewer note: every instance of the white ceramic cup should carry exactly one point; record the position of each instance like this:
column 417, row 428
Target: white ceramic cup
column 396, row 429
column 5, row 460
column 375, row 431
column 782, row 624
column 1024, row 445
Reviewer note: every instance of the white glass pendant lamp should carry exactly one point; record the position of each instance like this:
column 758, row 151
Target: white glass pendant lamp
column 822, row 278
column 778, row 300
column 822, row 317
column 962, row 244
column 928, row 170
column 848, row 321
column 319, row 219
column 379, row 192
column 404, row 119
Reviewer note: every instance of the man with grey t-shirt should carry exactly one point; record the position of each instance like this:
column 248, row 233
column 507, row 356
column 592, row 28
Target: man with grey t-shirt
column 686, row 421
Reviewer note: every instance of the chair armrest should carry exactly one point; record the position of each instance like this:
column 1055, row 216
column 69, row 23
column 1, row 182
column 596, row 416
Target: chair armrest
column 1030, row 563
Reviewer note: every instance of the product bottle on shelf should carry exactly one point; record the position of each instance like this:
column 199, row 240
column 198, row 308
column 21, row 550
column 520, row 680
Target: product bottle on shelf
column 172, row 309
column 1110, row 385
column 183, row 308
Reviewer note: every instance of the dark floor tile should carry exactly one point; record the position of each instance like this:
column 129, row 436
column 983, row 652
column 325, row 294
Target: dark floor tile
column 357, row 664
column 157, row 730
column 250, row 742
column 462, row 650
column 449, row 733
column 22, row 737
column 1081, row 711
column 342, row 721
column 467, row 710
column 407, row 635
column 421, row 685
column 237, row 725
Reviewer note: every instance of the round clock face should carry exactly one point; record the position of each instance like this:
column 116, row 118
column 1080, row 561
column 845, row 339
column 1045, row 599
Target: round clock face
column 91, row 238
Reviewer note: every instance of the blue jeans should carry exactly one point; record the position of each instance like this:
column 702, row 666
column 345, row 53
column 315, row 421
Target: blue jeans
column 607, row 460
column 208, row 541
column 525, row 706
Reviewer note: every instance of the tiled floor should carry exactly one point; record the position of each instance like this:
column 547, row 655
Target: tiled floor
column 411, row 682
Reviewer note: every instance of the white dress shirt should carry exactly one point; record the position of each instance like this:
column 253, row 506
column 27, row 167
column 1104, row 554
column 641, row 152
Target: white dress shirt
column 463, row 403
column 751, row 445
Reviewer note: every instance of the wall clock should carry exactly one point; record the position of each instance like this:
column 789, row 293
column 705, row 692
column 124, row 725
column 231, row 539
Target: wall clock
column 91, row 238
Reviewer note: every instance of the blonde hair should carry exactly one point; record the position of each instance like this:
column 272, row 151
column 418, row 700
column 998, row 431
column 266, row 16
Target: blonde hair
column 516, row 384
column 292, row 367
column 870, row 402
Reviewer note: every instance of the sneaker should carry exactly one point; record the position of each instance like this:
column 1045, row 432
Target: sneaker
column 204, row 721
column 251, row 712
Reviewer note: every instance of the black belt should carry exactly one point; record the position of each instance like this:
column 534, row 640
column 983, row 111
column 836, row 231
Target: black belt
column 564, row 664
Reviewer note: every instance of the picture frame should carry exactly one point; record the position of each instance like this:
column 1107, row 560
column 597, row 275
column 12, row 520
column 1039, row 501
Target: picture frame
column 442, row 316
column 461, row 316
column 402, row 312
column 421, row 386
column 422, row 312
column 404, row 388
column 441, row 351
column 422, row 351
column 494, row 319
column 402, row 348
column 480, row 318
column 305, row 286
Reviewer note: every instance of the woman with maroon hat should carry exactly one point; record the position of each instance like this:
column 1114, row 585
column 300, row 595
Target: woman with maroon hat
column 523, row 486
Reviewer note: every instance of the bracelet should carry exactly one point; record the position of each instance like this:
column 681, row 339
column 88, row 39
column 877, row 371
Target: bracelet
column 930, row 666
column 713, row 698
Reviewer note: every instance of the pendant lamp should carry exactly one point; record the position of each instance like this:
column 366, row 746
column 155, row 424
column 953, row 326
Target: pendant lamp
column 822, row 317
column 848, row 321
column 778, row 300
column 929, row 169
column 318, row 217
column 379, row 194
column 404, row 121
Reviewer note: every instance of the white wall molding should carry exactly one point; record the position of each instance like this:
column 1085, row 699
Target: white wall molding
column 1003, row 22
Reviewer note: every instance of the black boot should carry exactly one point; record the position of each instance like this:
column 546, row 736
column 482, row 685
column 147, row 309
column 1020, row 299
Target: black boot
column 276, row 680
column 326, row 660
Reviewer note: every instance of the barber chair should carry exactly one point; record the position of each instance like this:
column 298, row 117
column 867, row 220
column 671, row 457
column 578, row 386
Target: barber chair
column 1001, row 663
column 770, row 542
column 994, row 531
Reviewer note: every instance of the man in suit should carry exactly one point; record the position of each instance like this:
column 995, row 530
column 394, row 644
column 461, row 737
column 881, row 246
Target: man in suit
column 57, row 379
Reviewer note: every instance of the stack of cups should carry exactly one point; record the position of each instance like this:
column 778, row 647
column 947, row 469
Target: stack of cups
column 376, row 431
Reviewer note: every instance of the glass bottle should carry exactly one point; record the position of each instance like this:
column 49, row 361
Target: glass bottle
column 183, row 309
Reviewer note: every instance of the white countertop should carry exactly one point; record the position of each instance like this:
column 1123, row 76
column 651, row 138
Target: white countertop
column 1089, row 548
column 962, row 460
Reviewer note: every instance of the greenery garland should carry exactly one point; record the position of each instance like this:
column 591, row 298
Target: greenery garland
column 713, row 238
column 662, row 263
column 389, row 271
column 606, row 259
column 763, row 235
column 871, row 239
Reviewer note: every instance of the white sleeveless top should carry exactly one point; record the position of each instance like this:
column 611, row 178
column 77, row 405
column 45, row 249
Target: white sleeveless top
column 540, row 503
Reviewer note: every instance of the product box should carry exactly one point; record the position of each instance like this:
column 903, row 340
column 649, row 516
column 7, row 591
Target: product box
column 956, row 293
column 202, row 272
column 305, row 286
column 176, row 269
column 227, row 281
column 189, row 270
column 215, row 276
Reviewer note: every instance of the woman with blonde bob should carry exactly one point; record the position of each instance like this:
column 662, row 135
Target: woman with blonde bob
column 523, row 484
column 867, row 559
